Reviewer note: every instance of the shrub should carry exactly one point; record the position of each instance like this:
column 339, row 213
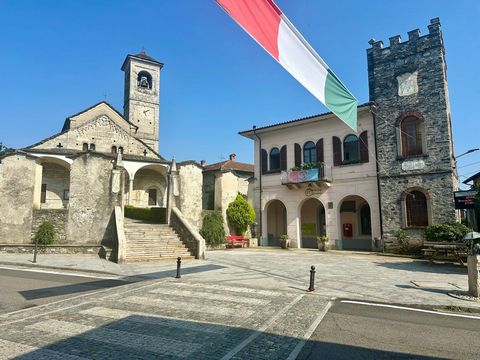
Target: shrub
column 212, row 229
column 154, row 214
column 241, row 214
column 446, row 232
column 45, row 234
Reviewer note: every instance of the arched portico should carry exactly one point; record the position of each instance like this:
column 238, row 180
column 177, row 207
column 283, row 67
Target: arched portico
column 312, row 222
column 276, row 221
column 147, row 185
column 355, row 223
column 52, row 183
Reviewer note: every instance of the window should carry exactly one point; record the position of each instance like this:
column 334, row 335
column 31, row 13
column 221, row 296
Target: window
column 92, row 147
column 152, row 197
column 365, row 220
column 351, row 151
column 275, row 159
column 43, row 194
column 85, row 147
column 309, row 152
column 66, row 194
column 144, row 80
column 348, row 206
column 120, row 149
column 416, row 209
column 412, row 136
column 114, row 149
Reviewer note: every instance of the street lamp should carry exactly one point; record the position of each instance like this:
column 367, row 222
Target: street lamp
column 467, row 152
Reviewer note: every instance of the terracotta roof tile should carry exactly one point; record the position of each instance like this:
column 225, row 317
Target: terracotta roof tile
column 230, row 165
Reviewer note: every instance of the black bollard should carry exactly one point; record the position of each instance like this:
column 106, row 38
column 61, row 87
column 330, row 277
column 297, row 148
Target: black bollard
column 35, row 250
column 312, row 279
column 179, row 263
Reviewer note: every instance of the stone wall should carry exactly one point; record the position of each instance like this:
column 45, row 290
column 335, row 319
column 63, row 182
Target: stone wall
column 187, row 234
column 58, row 217
column 424, row 93
column 92, row 202
column 17, row 180
column 190, row 200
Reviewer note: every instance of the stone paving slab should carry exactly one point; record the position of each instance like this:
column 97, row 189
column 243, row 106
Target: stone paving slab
column 164, row 319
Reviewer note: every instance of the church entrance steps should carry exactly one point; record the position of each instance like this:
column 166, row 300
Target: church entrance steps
column 152, row 242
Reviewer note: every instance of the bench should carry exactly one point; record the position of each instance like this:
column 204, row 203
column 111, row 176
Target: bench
column 434, row 249
column 236, row 240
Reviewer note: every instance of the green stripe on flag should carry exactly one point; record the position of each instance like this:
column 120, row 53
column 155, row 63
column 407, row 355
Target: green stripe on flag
column 340, row 101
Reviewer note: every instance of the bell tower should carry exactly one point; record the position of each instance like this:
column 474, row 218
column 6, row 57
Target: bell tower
column 142, row 96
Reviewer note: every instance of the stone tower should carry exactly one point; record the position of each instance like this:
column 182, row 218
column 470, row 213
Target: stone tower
column 142, row 96
column 417, row 177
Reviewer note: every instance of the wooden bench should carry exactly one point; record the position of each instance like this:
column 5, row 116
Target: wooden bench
column 236, row 240
column 434, row 249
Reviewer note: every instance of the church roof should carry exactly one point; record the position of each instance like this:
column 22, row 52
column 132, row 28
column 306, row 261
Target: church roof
column 143, row 56
column 230, row 165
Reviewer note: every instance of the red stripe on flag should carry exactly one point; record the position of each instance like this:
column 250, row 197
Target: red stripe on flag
column 260, row 18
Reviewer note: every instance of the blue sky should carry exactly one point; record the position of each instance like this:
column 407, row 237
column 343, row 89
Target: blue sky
column 59, row 57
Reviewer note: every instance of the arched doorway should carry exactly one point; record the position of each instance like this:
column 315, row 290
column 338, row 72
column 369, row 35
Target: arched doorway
column 148, row 188
column 312, row 222
column 355, row 224
column 276, row 222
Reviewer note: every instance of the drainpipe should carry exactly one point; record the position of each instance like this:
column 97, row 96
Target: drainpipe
column 372, row 109
column 259, row 178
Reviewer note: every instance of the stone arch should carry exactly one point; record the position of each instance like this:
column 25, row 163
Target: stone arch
column 144, row 179
column 405, row 210
column 313, row 221
column 52, row 183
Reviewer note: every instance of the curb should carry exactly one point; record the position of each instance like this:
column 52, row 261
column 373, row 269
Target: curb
column 34, row 266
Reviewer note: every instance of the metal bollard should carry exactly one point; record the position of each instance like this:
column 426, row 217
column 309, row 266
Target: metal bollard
column 179, row 264
column 312, row 279
column 35, row 250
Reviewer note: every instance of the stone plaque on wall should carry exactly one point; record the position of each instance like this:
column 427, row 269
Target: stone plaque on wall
column 407, row 84
column 115, row 181
column 413, row 165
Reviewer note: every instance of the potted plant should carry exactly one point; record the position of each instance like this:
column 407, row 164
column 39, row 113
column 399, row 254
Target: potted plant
column 284, row 241
column 322, row 242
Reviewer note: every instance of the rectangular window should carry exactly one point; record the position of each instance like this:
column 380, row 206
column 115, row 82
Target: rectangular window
column 66, row 194
column 43, row 194
column 152, row 197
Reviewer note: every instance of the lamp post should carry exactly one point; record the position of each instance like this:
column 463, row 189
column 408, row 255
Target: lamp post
column 467, row 152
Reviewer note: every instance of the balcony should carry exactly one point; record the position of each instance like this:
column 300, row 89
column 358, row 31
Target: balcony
column 315, row 178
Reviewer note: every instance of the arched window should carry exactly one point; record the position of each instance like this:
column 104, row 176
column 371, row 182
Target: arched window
column 144, row 80
column 92, row 147
column 351, row 152
column 365, row 220
column 275, row 159
column 416, row 209
column 120, row 149
column 309, row 152
column 412, row 136
column 114, row 149
column 85, row 147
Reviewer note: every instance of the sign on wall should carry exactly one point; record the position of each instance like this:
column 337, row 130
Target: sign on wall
column 465, row 199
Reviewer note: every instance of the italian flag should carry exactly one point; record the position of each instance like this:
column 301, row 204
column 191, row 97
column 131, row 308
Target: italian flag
column 266, row 24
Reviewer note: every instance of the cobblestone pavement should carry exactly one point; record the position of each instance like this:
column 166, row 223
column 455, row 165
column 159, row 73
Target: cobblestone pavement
column 166, row 319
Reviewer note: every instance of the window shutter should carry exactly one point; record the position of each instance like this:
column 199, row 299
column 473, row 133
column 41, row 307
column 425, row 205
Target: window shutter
column 264, row 161
column 337, row 151
column 320, row 150
column 298, row 155
column 364, row 147
column 283, row 158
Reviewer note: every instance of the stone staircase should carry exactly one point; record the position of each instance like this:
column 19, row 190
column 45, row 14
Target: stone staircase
column 152, row 242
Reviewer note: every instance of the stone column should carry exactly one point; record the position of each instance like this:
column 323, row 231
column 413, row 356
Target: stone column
column 130, row 191
column 474, row 275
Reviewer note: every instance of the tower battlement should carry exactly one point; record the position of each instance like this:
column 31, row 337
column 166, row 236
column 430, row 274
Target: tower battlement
column 415, row 40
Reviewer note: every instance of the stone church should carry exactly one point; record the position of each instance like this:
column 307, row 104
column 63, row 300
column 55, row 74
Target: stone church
column 81, row 178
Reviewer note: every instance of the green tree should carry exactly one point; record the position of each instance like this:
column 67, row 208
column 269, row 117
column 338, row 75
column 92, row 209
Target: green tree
column 212, row 229
column 240, row 214
column 4, row 149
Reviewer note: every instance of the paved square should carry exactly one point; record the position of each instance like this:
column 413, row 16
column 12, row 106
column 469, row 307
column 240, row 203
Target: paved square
column 167, row 319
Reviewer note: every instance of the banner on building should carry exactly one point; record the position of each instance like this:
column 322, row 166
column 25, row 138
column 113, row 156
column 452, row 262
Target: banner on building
column 465, row 199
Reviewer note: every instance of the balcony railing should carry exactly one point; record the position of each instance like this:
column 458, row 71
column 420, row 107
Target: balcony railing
column 321, row 174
